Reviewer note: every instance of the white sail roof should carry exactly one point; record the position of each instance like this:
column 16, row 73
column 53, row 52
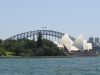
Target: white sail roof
column 79, row 42
column 73, row 48
column 89, row 46
column 66, row 41
column 85, row 45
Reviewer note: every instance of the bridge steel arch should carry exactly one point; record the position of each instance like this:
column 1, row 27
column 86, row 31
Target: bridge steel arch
column 46, row 33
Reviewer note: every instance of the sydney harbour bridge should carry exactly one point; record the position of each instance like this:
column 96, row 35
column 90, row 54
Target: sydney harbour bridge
column 46, row 34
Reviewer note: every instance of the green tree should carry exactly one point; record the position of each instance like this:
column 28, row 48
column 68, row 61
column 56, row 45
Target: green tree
column 2, row 52
column 19, row 49
column 39, row 41
column 1, row 41
column 30, row 44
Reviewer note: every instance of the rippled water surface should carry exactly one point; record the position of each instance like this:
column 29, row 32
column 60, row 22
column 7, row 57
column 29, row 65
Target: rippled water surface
column 50, row 66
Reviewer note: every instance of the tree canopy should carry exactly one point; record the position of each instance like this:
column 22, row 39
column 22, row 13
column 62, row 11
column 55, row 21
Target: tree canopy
column 26, row 47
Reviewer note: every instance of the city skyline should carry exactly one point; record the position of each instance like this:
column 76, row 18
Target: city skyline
column 74, row 17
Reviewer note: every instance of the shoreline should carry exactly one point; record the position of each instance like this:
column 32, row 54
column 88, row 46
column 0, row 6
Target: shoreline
column 36, row 56
column 44, row 56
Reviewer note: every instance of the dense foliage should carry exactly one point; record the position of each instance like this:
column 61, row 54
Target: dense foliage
column 26, row 47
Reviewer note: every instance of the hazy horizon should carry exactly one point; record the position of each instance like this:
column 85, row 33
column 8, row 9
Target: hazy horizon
column 74, row 17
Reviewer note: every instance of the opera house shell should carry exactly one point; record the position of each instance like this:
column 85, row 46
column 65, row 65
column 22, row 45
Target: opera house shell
column 78, row 44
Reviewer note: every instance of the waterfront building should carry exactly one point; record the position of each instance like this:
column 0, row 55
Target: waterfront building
column 96, row 39
column 66, row 41
column 78, row 44
column 85, row 45
column 91, row 40
column 89, row 46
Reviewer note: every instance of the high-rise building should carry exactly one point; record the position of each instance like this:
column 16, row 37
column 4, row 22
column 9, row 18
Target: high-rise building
column 91, row 40
column 96, row 39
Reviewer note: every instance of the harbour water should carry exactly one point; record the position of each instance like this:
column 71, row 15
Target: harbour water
column 50, row 66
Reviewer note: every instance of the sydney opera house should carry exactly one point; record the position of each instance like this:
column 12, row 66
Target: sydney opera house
column 79, row 44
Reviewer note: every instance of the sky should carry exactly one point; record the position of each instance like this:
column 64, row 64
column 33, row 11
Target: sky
column 74, row 17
